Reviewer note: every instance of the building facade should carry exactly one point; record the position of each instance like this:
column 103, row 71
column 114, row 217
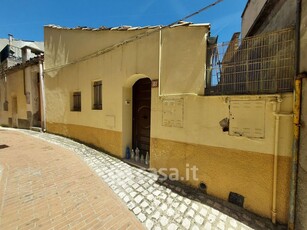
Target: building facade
column 145, row 87
column 21, row 74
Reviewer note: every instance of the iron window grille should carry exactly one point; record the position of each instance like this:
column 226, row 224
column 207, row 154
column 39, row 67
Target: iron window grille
column 97, row 87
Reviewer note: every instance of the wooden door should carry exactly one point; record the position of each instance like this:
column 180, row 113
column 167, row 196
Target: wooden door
column 141, row 115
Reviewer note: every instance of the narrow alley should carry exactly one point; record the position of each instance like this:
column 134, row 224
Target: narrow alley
column 52, row 182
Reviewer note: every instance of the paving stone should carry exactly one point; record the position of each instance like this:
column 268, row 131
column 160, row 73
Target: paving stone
column 164, row 207
column 215, row 212
column 194, row 206
column 191, row 213
column 144, row 204
column 126, row 199
column 142, row 217
column 162, row 196
column 178, row 218
column 131, row 205
column 195, row 227
column 175, row 204
column 211, row 218
column 172, row 226
column 169, row 200
column 233, row 223
column 150, row 197
column 246, row 217
column 140, row 189
column 156, row 215
column 203, row 212
column 199, row 220
column 163, row 221
column 138, row 199
column 178, row 189
column 183, row 208
column 174, row 194
column 149, row 210
column 221, row 225
column 186, row 223
column 145, row 193
column 208, row 226
column 151, row 200
column 133, row 194
column 187, row 201
column 157, row 202
column 170, row 212
column 149, row 224
column 135, row 186
column 122, row 195
column 156, row 193
column 261, row 224
column 137, row 210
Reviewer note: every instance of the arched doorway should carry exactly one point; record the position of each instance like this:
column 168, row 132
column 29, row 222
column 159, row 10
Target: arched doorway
column 141, row 115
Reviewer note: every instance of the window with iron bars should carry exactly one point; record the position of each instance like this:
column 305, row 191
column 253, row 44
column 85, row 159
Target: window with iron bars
column 76, row 101
column 97, row 95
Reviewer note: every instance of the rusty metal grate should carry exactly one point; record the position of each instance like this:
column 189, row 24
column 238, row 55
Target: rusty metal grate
column 255, row 65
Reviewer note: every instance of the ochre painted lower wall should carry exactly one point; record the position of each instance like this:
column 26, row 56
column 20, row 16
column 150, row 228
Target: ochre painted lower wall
column 108, row 140
column 228, row 170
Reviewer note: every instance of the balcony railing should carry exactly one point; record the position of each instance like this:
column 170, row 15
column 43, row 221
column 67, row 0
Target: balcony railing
column 262, row 64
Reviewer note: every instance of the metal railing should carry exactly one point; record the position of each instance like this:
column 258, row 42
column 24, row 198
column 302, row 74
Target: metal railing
column 262, row 64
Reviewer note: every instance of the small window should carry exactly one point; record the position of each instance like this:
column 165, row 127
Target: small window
column 76, row 101
column 97, row 95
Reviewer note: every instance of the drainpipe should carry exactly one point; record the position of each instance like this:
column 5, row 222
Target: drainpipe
column 277, row 114
column 296, row 119
column 275, row 162
column 295, row 150
column 42, row 92
column 160, row 58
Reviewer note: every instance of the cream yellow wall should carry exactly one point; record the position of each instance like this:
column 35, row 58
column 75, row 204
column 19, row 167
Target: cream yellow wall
column 113, row 69
column 15, row 88
column 226, row 163
column 3, row 114
column 202, row 115
column 225, row 170
column 183, row 63
column 118, row 70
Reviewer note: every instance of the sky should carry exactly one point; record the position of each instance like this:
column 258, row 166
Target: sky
column 25, row 19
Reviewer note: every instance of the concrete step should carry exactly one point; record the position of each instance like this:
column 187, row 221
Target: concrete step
column 37, row 129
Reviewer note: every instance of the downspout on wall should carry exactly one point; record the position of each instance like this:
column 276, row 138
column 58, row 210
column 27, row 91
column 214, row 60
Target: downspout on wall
column 42, row 93
column 296, row 120
column 277, row 114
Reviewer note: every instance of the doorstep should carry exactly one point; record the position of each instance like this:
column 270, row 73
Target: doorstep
column 136, row 164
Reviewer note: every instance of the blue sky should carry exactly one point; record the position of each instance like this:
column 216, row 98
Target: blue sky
column 25, row 18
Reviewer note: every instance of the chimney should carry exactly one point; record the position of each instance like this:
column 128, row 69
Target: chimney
column 26, row 53
column 11, row 38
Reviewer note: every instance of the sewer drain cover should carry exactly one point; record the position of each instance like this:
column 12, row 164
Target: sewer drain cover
column 3, row 146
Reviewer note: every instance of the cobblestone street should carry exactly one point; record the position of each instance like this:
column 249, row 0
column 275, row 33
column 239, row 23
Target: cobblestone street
column 156, row 204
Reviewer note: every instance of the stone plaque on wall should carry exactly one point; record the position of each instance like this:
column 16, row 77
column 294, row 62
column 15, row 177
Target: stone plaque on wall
column 172, row 112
